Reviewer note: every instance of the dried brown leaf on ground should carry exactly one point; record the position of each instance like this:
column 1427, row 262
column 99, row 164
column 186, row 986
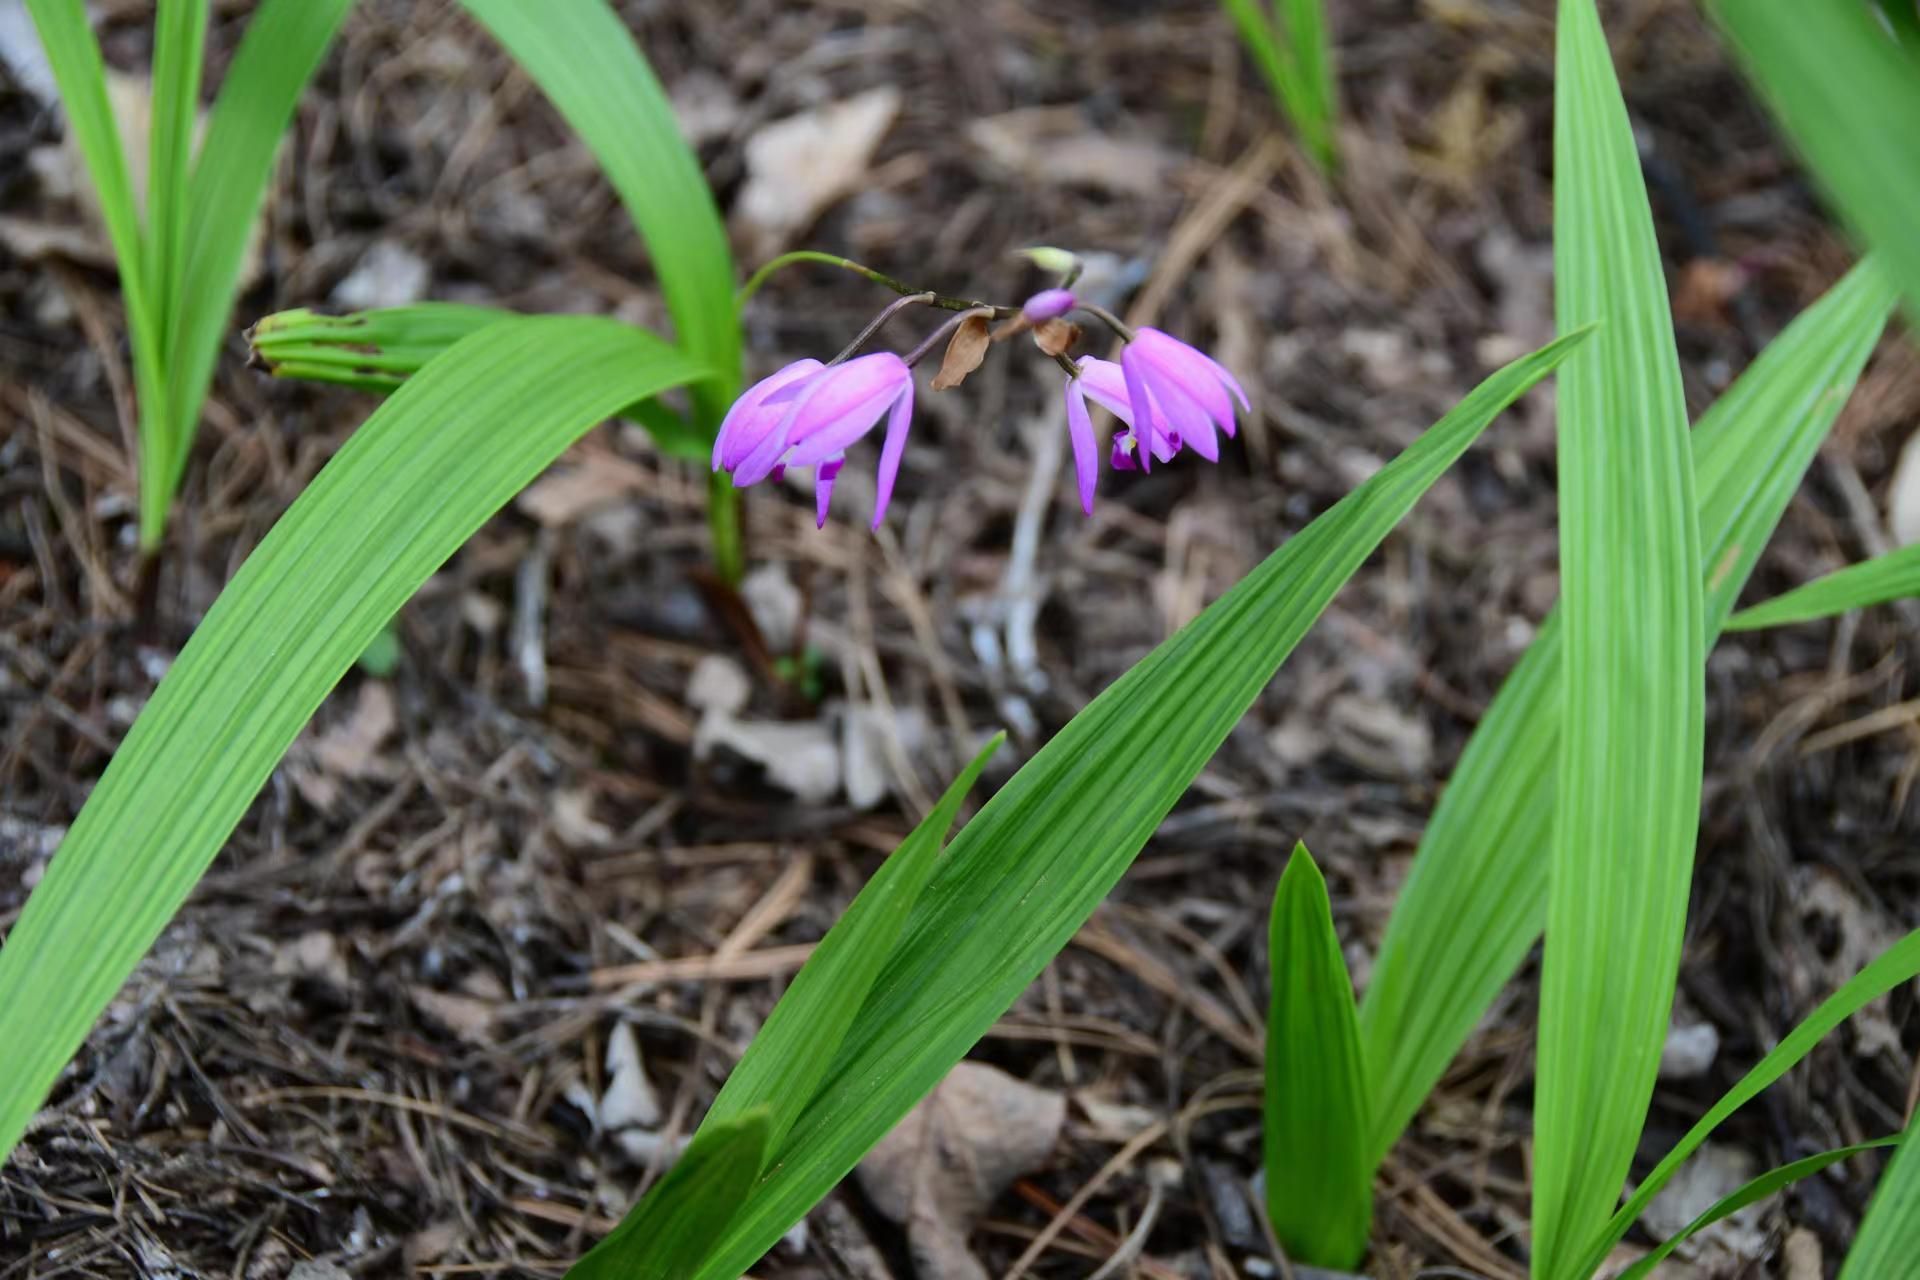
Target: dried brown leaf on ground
column 576, row 487
column 1734, row 1244
column 1052, row 146
column 799, row 166
column 950, row 1158
column 348, row 750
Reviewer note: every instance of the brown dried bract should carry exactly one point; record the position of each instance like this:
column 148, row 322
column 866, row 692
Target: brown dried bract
column 965, row 351
column 1056, row 337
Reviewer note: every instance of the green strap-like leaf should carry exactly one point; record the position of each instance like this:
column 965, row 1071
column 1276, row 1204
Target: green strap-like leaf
column 1298, row 66
column 378, row 350
column 1633, row 687
column 1476, row 899
column 81, row 75
column 1897, row 964
column 283, row 45
column 179, row 45
column 581, row 56
column 669, row 1232
column 1889, row 1238
column 1319, row 1181
column 1849, row 97
column 415, row 480
column 1749, row 1193
column 1312, row 43
column 1023, row 876
column 1894, row 576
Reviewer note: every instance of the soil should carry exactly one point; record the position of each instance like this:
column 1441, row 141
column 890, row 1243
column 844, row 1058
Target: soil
column 375, row 1041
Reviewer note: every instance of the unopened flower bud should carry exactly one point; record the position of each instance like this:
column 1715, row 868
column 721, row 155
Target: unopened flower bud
column 1048, row 304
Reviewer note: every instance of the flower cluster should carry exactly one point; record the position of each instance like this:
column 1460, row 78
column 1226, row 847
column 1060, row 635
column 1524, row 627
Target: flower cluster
column 1168, row 395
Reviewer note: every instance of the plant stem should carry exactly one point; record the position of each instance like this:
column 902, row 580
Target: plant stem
column 944, row 302
column 1109, row 319
column 873, row 326
column 723, row 524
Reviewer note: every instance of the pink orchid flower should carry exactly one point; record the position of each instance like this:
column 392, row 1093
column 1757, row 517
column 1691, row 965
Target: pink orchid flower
column 807, row 414
column 1185, row 389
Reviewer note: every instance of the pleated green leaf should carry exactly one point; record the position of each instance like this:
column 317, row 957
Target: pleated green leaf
column 1848, row 95
column 669, row 1232
column 1633, row 689
column 415, row 480
column 586, row 62
column 1894, row 576
column 1899, row 963
column 1889, row 1238
column 777, row 1077
column 1319, row 1192
column 1022, row 877
column 1296, row 59
column 1749, row 1193
column 1482, row 857
column 378, row 350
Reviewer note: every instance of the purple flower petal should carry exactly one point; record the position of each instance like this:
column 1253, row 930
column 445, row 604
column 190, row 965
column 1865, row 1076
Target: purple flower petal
column 1121, row 457
column 1182, row 412
column 823, row 478
column 830, row 411
column 896, row 442
column 757, row 412
column 1196, row 382
column 845, row 407
column 1106, row 386
column 1195, row 369
column 1132, row 368
column 1086, row 458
